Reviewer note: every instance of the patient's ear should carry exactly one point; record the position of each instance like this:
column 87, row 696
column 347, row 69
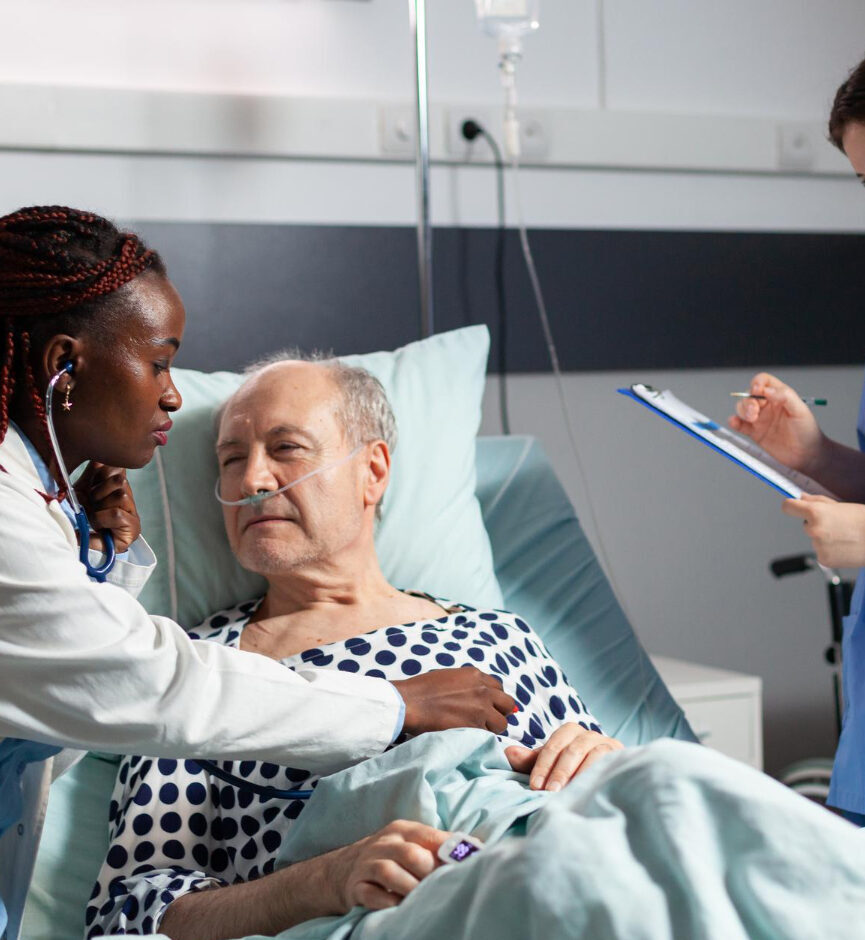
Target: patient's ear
column 377, row 473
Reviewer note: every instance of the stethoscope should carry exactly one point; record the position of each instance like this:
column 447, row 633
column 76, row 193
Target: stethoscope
column 257, row 788
column 100, row 573
column 81, row 521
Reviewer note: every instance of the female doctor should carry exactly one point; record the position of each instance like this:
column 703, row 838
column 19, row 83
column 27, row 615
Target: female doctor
column 785, row 427
column 82, row 665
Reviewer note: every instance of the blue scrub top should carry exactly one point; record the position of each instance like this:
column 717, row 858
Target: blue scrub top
column 847, row 791
column 15, row 755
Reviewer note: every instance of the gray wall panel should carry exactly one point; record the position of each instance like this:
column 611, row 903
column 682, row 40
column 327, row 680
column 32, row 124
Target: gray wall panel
column 617, row 299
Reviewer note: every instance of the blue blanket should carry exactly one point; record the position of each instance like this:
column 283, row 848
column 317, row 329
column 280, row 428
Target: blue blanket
column 666, row 840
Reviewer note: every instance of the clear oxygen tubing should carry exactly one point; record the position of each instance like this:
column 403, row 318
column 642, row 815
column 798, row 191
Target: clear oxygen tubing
column 263, row 495
column 268, row 792
column 82, row 523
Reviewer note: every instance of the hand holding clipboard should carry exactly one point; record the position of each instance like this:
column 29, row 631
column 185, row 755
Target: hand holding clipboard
column 736, row 447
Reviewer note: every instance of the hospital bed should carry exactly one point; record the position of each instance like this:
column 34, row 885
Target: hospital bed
column 543, row 563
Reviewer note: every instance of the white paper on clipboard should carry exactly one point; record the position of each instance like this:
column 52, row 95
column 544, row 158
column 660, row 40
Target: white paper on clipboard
column 737, row 447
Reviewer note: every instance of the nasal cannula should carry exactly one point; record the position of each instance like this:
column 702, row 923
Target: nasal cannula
column 253, row 500
column 262, row 495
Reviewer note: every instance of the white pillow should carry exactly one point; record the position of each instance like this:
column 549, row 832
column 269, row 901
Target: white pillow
column 431, row 537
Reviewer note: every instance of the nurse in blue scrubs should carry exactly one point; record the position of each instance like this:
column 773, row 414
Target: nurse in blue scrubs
column 782, row 424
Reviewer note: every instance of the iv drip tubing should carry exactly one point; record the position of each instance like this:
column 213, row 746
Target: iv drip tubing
column 566, row 412
column 559, row 381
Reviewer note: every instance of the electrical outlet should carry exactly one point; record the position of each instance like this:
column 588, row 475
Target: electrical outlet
column 398, row 130
column 534, row 138
column 477, row 149
column 797, row 147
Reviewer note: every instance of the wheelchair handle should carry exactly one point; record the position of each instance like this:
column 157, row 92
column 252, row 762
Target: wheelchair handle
column 792, row 564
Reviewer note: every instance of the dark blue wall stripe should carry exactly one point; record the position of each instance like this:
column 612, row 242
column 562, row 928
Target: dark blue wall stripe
column 617, row 299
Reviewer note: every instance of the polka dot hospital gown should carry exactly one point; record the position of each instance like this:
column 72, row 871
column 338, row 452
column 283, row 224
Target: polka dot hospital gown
column 175, row 829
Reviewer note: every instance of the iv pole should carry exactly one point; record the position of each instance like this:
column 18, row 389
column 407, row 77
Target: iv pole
column 417, row 21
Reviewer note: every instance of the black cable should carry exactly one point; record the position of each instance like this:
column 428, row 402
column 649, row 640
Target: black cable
column 470, row 130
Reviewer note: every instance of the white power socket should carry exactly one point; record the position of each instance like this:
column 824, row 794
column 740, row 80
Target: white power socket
column 797, row 146
column 397, row 127
column 534, row 134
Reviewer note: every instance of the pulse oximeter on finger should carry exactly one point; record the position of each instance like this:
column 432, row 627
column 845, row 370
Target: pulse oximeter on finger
column 458, row 848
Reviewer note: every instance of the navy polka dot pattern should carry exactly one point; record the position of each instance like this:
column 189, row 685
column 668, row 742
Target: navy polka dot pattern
column 175, row 829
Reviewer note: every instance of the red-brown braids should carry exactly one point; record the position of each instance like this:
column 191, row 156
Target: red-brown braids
column 7, row 375
column 55, row 260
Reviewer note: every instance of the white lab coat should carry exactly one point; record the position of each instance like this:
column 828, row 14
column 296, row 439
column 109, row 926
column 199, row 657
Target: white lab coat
column 83, row 665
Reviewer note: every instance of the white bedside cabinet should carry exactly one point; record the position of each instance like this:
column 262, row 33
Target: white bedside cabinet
column 724, row 708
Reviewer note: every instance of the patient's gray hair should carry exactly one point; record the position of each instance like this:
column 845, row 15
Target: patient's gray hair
column 365, row 413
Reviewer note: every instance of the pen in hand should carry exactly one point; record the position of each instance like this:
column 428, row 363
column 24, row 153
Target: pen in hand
column 808, row 401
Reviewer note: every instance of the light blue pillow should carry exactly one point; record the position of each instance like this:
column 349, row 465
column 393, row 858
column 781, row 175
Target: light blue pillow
column 431, row 537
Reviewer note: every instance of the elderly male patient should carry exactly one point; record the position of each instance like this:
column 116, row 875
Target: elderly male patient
column 194, row 857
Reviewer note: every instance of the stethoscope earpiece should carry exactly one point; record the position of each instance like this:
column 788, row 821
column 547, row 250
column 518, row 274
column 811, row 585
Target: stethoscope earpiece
column 81, row 522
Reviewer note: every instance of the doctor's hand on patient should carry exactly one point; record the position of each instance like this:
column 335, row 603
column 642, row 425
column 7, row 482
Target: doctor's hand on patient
column 106, row 496
column 569, row 751
column 463, row 697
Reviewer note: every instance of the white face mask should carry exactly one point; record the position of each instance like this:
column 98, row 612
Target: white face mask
column 263, row 495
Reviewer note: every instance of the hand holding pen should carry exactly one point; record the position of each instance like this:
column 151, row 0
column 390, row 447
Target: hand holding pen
column 775, row 417
column 809, row 400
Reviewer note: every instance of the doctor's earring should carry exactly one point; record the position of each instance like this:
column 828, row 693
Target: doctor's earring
column 67, row 401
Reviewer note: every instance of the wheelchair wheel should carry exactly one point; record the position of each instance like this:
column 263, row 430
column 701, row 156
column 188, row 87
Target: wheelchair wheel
column 809, row 778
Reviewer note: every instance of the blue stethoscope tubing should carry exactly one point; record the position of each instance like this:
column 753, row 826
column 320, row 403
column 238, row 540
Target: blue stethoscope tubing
column 257, row 788
column 82, row 523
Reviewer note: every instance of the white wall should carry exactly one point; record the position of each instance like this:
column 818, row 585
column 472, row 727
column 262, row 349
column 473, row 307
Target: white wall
column 738, row 57
column 688, row 538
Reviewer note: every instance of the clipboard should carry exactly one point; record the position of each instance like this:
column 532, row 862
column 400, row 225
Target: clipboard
column 737, row 448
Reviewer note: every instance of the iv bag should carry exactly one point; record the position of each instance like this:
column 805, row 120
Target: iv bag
column 507, row 19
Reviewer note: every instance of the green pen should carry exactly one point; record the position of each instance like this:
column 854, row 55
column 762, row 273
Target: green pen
column 808, row 401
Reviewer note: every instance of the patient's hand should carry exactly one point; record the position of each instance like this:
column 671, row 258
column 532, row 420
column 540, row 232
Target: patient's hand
column 105, row 494
column 454, row 698
column 380, row 870
column 376, row 872
column 570, row 750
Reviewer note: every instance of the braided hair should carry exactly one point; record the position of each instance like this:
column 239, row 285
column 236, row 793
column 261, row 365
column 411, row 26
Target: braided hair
column 60, row 271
